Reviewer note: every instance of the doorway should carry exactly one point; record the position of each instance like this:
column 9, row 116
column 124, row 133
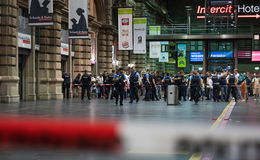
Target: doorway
column 22, row 60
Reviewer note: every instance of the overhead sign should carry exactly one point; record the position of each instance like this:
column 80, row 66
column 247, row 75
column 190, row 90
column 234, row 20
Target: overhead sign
column 154, row 30
column 243, row 11
column 255, row 56
column 40, row 12
column 140, row 35
column 196, row 56
column 78, row 19
column 221, row 54
column 125, row 30
column 181, row 55
column 244, row 54
column 155, row 49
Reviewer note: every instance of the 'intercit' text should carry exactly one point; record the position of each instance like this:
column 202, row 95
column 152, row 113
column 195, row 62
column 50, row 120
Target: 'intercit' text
column 228, row 9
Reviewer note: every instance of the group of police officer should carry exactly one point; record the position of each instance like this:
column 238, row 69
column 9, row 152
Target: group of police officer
column 194, row 85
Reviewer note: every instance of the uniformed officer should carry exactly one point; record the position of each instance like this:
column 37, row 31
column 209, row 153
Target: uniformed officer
column 85, row 81
column 119, row 84
column 223, row 86
column 182, row 86
column 66, row 85
column 232, row 82
column 147, row 83
column 153, row 87
column 134, row 83
column 216, row 87
column 167, row 80
column 195, row 87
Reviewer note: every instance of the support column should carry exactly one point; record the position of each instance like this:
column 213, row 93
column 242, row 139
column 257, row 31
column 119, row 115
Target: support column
column 236, row 52
column 9, row 80
column 30, row 79
column 82, row 56
column 109, row 51
column 50, row 76
column 102, row 51
column 125, row 60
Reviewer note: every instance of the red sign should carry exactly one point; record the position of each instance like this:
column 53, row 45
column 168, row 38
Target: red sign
column 255, row 56
column 244, row 54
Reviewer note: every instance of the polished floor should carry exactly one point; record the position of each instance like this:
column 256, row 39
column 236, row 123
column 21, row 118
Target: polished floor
column 143, row 112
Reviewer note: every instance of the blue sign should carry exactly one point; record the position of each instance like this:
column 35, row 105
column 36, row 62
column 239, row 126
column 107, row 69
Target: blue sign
column 196, row 56
column 221, row 54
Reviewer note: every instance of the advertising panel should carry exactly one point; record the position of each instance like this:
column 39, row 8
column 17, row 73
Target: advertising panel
column 255, row 56
column 221, row 54
column 125, row 30
column 64, row 49
column 182, row 48
column 154, row 30
column 244, row 54
column 140, row 35
column 164, row 57
column 155, row 49
column 196, row 56
column 40, row 12
column 78, row 19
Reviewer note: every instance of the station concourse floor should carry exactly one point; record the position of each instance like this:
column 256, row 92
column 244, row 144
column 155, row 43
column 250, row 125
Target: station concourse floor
column 244, row 113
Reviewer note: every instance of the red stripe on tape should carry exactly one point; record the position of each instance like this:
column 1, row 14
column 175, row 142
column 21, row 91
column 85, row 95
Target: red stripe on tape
column 62, row 134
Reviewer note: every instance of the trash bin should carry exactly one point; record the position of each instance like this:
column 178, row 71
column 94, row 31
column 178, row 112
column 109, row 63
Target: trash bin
column 172, row 95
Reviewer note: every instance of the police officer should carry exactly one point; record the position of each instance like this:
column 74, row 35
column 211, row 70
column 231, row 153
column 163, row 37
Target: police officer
column 216, row 87
column 147, row 83
column 119, row 84
column 223, row 86
column 153, row 87
column 85, row 81
column 195, row 87
column 66, row 85
column 134, row 83
column 167, row 80
column 232, row 82
column 182, row 86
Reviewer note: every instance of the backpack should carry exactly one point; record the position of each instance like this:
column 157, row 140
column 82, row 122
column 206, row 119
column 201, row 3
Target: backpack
column 133, row 78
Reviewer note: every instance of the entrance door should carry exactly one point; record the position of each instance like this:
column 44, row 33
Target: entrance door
column 22, row 62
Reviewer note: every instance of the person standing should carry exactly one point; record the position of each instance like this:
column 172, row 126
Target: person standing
column 119, row 84
column 153, row 87
column 223, row 86
column 256, row 86
column 195, row 87
column 232, row 86
column 76, row 85
column 147, row 84
column 66, row 85
column 158, row 81
column 134, row 83
column 208, row 86
column 216, row 87
column 86, row 85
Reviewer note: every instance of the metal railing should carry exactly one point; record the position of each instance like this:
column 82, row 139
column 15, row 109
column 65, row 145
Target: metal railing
column 181, row 29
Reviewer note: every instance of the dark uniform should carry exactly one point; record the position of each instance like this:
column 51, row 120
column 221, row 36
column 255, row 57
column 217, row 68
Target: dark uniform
column 119, row 84
column 134, row 83
column 66, row 85
column 85, row 80
column 195, row 88
column 216, row 88
column 167, row 81
column 153, row 88
column 232, row 87
column 223, row 87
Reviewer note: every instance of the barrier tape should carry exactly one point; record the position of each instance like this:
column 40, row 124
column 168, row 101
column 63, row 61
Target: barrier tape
column 59, row 134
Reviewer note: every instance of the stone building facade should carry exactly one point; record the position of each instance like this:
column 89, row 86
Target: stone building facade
column 36, row 72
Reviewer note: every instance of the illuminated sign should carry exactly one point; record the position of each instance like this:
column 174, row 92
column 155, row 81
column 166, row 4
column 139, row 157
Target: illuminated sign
column 255, row 56
column 244, row 11
column 221, row 54
column 196, row 56
column 244, row 54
